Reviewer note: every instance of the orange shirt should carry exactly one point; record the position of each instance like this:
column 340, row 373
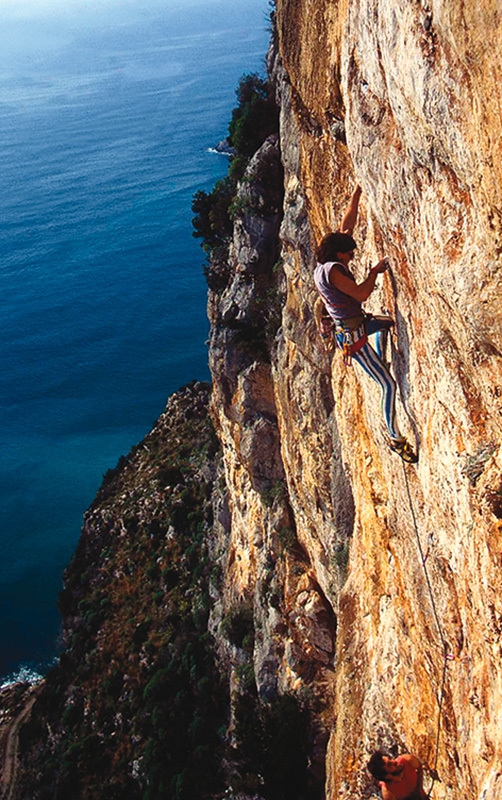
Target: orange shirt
column 408, row 780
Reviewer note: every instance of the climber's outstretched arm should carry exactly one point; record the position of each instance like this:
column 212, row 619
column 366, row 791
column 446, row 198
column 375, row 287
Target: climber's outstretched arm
column 359, row 291
column 350, row 217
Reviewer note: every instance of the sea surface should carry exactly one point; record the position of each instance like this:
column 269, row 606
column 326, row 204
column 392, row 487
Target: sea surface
column 108, row 117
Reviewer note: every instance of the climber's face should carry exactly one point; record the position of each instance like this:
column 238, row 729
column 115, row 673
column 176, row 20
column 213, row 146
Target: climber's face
column 393, row 767
column 345, row 258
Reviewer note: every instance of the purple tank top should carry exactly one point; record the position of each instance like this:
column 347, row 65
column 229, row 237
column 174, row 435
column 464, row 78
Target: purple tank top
column 338, row 304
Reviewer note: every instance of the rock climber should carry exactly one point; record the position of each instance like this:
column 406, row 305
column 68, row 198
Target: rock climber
column 343, row 299
column 399, row 778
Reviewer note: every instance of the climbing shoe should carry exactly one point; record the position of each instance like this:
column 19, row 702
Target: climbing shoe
column 403, row 449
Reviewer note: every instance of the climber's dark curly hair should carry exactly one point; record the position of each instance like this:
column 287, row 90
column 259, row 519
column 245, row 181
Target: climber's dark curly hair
column 332, row 244
column 377, row 767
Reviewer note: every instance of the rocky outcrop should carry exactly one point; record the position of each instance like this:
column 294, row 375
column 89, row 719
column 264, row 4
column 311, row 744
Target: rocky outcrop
column 264, row 564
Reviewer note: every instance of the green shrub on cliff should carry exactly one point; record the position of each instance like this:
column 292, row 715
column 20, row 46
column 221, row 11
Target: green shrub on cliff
column 238, row 627
column 271, row 748
column 212, row 222
column 255, row 117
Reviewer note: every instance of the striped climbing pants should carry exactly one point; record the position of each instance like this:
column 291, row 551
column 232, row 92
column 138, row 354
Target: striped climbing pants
column 372, row 362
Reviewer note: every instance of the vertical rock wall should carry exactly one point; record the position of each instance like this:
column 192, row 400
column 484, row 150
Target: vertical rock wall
column 398, row 565
column 265, row 566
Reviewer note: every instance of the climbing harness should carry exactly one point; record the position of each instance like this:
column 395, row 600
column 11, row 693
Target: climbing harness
column 348, row 334
column 447, row 655
column 350, row 347
column 351, row 336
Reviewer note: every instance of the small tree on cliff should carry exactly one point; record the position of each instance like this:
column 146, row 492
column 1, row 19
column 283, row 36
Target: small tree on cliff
column 255, row 117
column 212, row 222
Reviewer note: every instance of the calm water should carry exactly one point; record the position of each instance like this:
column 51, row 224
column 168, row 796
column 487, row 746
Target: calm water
column 106, row 125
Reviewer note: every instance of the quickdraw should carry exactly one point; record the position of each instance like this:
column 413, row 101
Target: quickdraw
column 326, row 325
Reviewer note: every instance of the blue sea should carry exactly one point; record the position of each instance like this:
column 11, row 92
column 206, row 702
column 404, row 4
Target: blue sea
column 108, row 116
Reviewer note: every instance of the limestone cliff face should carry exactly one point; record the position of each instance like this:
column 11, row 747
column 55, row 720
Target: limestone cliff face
column 391, row 576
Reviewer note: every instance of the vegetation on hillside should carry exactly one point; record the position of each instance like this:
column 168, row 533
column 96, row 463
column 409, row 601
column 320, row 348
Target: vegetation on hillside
column 136, row 706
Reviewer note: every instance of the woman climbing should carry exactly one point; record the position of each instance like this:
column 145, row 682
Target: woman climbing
column 343, row 299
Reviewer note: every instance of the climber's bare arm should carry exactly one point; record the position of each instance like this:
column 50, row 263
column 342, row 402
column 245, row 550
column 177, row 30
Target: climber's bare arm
column 386, row 793
column 361, row 291
column 350, row 217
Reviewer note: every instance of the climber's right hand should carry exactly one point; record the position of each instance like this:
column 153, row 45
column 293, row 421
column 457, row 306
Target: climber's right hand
column 381, row 266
